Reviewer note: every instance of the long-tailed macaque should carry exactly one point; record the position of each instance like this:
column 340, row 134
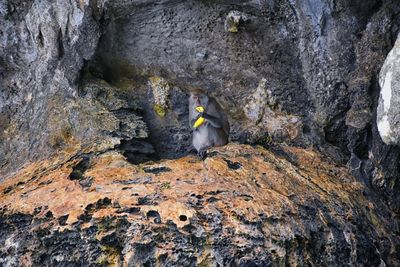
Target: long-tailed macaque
column 208, row 121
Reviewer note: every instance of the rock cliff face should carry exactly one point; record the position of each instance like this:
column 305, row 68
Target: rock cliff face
column 82, row 81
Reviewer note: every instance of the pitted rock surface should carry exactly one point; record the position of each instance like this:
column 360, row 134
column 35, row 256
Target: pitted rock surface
column 318, row 62
column 282, row 205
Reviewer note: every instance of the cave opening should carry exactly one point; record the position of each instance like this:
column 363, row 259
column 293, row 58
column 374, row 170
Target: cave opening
column 157, row 53
column 168, row 132
column 155, row 56
column 161, row 103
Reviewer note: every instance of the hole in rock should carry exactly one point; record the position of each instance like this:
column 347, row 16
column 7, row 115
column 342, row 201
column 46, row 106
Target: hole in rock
column 183, row 218
column 63, row 220
column 79, row 169
column 48, row 214
column 103, row 203
column 40, row 38
column 85, row 217
column 138, row 151
column 147, row 200
column 169, row 137
column 233, row 165
column 154, row 214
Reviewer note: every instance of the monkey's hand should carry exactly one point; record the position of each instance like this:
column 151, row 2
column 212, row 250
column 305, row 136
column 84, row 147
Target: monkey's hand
column 200, row 120
column 200, row 109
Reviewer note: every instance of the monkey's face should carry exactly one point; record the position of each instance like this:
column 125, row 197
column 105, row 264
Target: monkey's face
column 199, row 99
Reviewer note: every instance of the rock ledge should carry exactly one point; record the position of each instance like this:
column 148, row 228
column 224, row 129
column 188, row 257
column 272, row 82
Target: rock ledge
column 242, row 205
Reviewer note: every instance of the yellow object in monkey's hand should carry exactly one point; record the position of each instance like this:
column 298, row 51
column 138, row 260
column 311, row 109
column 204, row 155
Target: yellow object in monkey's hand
column 200, row 120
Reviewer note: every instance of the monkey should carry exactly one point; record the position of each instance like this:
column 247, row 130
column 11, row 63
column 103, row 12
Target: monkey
column 214, row 131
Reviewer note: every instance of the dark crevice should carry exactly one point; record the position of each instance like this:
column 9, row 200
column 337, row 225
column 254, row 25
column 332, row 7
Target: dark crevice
column 79, row 169
column 99, row 204
column 138, row 151
column 154, row 214
column 156, row 170
column 12, row 187
column 361, row 144
column 278, row 151
column 146, row 200
column 40, row 39
column 233, row 165
column 138, row 180
column 81, row 78
column 63, row 220
column 335, row 132
column 60, row 45
column 131, row 210
column 365, row 13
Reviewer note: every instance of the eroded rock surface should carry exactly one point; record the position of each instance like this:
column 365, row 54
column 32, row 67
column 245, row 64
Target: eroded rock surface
column 243, row 205
column 318, row 62
column 43, row 47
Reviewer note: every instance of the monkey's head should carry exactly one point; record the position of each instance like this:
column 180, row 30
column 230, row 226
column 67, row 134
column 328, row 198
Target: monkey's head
column 198, row 97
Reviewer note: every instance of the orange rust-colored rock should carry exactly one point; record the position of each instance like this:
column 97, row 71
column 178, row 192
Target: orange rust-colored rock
column 241, row 205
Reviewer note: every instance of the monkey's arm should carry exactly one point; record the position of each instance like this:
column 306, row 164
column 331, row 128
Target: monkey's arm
column 214, row 121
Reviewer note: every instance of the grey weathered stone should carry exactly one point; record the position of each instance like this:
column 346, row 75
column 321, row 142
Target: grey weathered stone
column 43, row 46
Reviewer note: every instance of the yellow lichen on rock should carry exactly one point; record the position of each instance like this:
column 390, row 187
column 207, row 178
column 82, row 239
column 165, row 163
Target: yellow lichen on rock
column 159, row 110
column 160, row 89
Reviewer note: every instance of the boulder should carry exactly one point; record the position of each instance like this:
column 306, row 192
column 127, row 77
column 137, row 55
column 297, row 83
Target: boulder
column 388, row 115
